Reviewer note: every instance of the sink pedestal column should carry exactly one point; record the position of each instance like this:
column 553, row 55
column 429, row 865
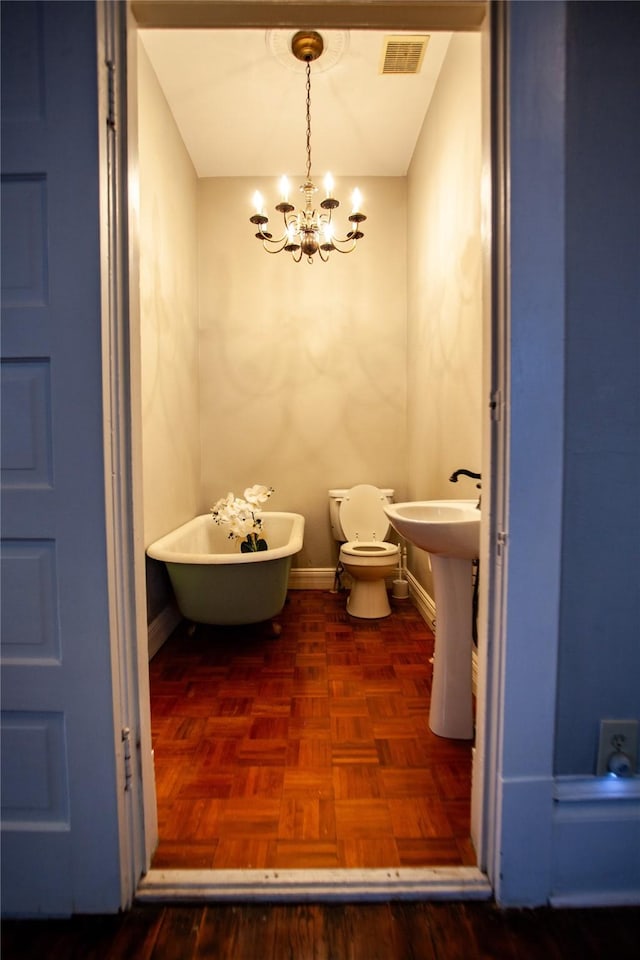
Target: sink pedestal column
column 451, row 713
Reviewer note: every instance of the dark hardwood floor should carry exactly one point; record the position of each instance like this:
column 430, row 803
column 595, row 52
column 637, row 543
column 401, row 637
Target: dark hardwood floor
column 310, row 749
column 384, row 931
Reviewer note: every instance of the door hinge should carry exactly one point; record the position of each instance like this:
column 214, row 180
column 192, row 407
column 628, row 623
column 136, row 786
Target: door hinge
column 126, row 756
column 501, row 543
column 111, row 95
column 495, row 404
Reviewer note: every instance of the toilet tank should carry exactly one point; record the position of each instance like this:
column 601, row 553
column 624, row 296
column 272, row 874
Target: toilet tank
column 335, row 499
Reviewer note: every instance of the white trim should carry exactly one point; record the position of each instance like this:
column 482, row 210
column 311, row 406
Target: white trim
column 433, row 883
column 145, row 832
column 311, row 578
column 424, row 602
column 161, row 628
column 319, row 578
column 136, row 796
column 494, row 466
column 115, row 437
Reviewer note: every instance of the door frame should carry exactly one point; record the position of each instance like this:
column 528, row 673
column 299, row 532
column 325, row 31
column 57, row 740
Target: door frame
column 501, row 791
column 137, row 812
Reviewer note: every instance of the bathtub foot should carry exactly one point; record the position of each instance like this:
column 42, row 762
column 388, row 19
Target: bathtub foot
column 276, row 629
column 191, row 629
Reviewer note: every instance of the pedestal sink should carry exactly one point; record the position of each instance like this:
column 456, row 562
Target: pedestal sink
column 449, row 530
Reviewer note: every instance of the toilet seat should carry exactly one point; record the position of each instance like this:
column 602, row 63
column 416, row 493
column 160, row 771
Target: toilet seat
column 370, row 552
column 362, row 516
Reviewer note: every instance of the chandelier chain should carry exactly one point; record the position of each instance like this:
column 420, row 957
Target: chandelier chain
column 309, row 230
column 308, row 120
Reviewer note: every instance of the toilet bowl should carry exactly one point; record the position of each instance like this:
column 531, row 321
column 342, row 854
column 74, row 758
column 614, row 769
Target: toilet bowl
column 358, row 519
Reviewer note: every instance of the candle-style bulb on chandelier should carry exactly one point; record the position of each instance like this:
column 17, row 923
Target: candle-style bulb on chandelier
column 310, row 229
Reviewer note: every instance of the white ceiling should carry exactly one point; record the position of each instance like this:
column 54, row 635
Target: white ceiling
column 238, row 98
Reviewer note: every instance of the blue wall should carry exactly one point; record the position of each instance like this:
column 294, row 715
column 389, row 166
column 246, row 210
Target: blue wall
column 599, row 667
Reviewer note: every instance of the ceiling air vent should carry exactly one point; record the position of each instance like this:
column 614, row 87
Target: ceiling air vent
column 403, row 54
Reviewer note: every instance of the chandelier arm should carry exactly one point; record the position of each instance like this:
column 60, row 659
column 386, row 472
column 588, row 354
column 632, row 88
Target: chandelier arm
column 290, row 220
column 276, row 250
column 336, row 240
column 277, row 244
column 264, row 235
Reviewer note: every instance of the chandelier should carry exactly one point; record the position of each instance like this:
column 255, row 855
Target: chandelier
column 310, row 229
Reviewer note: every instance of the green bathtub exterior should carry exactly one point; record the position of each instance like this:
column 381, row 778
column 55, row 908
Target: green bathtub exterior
column 229, row 594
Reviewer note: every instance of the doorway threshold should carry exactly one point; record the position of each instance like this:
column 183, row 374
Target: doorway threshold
column 318, row 886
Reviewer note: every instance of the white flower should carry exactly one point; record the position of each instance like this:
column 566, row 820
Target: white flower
column 240, row 514
column 223, row 504
column 241, row 525
column 257, row 494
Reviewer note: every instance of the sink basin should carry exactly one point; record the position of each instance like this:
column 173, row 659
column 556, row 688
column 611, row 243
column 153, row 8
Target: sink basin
column 444, row 528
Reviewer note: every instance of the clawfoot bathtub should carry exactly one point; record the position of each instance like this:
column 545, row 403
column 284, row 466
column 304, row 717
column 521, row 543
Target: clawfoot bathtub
column 217, row 584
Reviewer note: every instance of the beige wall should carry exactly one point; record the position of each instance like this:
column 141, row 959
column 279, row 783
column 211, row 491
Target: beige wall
column 307, row 377
column 302, row 367
column 168, row 314
column 444, row 283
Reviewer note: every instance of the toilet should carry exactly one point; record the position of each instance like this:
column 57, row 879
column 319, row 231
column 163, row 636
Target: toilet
column 360, row 524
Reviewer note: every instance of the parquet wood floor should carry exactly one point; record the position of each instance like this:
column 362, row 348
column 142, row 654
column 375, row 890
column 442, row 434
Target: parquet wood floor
column 311, row 749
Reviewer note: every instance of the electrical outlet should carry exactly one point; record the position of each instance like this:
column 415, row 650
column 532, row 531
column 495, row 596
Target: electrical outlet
column 617, row 736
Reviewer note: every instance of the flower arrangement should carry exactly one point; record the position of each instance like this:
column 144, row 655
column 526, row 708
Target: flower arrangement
column 241, row 515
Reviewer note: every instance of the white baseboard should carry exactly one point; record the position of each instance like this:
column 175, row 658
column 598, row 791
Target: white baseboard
column 161, row 628
column 424, row 602
column 311, row 578
column 596, row 842
column 320, row 578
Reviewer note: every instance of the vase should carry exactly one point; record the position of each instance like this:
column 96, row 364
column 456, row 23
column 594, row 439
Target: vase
column 253, row 543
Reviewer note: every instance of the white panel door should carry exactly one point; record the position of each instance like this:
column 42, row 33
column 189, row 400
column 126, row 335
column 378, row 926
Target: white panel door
column 60, row 843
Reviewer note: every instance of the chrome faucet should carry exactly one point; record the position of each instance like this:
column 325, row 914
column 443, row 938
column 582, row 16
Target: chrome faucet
column 468, row 473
